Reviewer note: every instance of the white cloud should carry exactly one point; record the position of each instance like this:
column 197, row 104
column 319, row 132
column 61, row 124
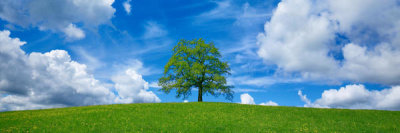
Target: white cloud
column 296, row 39
column 246, row 99
column 127, row 6
column 301, row 38
column 185, row 101
column 307, row 101
column 378, row 65
column 15, row 102
column 52, row 79
column 357, row 97
column 269, row 103
column 303, row 97
column 57, row 15
column 13, row 65
column 358, row 19
column 132, row 88
column 45, row 80
column 73, row 33
column 154, row 30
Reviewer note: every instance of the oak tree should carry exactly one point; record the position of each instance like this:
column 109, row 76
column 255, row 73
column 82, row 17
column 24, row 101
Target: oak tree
column 196, row 64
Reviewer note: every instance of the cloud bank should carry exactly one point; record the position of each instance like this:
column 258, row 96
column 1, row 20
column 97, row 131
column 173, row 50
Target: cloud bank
column 357, row 97
column 335, row 40
column 246, row 99
column 58, row 15
column 52, row 79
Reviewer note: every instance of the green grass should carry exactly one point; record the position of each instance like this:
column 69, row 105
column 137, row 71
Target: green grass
column 198, row 117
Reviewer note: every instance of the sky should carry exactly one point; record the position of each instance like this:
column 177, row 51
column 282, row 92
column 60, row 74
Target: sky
column 302, row 53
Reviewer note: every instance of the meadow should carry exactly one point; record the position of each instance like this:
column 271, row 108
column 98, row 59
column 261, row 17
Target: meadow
column 198, row 117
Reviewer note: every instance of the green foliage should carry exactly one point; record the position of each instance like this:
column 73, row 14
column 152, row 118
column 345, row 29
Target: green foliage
column 196, row 64
column 197, row 118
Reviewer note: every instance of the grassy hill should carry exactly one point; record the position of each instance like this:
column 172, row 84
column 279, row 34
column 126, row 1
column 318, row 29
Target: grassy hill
column 198, row 117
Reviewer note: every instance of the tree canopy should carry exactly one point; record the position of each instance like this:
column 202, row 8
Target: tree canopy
column 196, row 64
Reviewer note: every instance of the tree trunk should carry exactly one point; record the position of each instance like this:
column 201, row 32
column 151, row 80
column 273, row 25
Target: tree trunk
column 200, row 99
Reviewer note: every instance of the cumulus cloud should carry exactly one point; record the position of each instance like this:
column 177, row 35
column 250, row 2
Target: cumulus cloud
column 246, row 99
column 378, row 65
column 303, row 36
column 295, row 38
column 357, row 97
column 132, row 88
column 52, row 79
column 58, row 16
column 269, row 103
column 185, row 101
column 127, row 6
column 73, row 33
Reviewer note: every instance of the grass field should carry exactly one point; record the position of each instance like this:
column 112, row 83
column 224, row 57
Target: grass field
column 198, row 117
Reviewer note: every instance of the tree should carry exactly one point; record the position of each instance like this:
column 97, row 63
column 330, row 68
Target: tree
column 196, row 64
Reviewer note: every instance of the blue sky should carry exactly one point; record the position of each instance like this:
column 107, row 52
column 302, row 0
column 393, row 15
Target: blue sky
column 339, row 57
